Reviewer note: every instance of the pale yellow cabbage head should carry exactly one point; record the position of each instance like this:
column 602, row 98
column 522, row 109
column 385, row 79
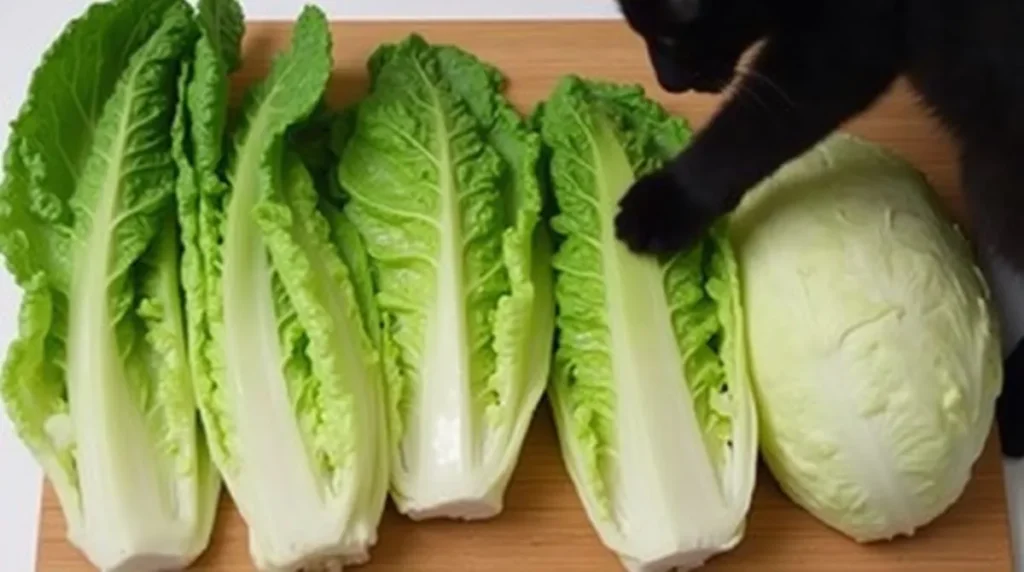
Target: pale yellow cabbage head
column 874, row 345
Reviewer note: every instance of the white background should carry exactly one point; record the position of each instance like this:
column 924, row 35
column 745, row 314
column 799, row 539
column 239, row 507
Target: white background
column 25, row 36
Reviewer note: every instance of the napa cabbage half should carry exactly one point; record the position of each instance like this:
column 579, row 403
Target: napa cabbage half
column 441, row 175
column 98, row 383
column 650, row 389
column 287, row 376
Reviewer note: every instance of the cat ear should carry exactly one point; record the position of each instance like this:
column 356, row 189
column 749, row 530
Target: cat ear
column 685, row 10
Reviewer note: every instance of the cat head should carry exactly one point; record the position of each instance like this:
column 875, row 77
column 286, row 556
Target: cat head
column 696, row 44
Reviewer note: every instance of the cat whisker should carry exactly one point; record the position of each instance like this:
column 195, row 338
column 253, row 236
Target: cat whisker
column 742, row 90
column 753, row 74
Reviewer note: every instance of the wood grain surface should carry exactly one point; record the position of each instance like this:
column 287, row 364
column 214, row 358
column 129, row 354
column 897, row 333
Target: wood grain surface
column 543, row 527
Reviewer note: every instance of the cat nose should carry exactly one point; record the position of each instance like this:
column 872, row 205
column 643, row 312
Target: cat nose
column 672, row 77
column 674, row 82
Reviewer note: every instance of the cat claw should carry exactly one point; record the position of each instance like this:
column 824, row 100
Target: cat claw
column 656, row 217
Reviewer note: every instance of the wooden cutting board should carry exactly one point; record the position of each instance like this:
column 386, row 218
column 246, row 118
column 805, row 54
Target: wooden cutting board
column 543, row 527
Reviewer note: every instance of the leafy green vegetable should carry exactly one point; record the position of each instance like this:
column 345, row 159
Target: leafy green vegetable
column 318, row 307
column 650, row 390
column 874, row 347
column 287, row 377
column 98, row 383
column 442, row 179
column 199, row 136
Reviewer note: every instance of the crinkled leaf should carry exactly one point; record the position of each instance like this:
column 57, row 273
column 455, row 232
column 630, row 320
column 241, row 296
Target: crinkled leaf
column 440, row 174
column 650, row 391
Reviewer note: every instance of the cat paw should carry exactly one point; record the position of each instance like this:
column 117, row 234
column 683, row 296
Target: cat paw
column 657, row 216
column 1010, row 405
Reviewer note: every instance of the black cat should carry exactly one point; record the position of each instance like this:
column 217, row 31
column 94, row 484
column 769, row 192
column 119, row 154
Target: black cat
column 822, row 62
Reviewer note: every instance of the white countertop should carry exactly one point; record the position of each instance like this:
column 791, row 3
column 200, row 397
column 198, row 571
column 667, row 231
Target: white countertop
column 24, row 37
